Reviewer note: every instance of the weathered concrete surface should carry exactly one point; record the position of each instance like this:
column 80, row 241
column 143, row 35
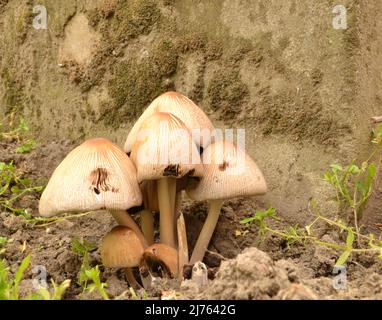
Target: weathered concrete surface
column 303, row 91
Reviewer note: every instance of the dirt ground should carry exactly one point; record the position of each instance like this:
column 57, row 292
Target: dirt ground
column 249, row 268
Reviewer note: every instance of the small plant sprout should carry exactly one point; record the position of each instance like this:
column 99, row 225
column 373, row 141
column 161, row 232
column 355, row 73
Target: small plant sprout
column 97, row 175
column 13, row 186
column 121, row 248
column 3, row 242
column 308, row 234
column 163, row 152
column 20, row 134
column 9, row 288
column 89, row 278
column 353, row 185
column 17, row 133
column 27, row 146
column 56, row 293
column 225, row 176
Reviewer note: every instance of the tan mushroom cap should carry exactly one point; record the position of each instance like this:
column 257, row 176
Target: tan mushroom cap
column 121, row 248
column 228, row 172
column 95, row 175
column 180, row 106
column 161, row 255
column 164, row 148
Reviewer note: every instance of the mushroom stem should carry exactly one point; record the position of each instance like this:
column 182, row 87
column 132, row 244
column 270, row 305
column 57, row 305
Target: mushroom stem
column 131, row 279
column 147, row 222
column 124, row 219
column 176, row 202
column 166, row 192
column 182, row 246
column 207, row 231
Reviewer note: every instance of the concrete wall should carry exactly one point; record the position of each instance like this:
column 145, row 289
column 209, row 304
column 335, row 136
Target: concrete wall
column 303, row 91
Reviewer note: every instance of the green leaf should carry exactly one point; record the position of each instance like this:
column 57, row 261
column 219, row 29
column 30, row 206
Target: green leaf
column 336, row 167
column 247, row 220
column 18, row 276
column 25, row 182
column 371, row 170
column 259, row 216
column 353, row 169
column 3, row 241
column 23, row 126
column 15, row 189
column 27, row 146
column 350, row 238
column 82, row 248
column 361, row 187
column 343, row 258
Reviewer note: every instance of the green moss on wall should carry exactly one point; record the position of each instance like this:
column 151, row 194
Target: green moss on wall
column 135, row 83
column 125, row 19
column 226, row 92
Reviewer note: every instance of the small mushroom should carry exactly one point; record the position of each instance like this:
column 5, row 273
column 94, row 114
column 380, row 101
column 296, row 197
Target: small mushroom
column 97, row 175
column 228, row 172
column 122, row 248
column 164, row 151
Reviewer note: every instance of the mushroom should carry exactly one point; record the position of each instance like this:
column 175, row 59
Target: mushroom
column 122, row 248
column 180, row 106
column 97, row 175
column 228, row 172
column 194, row 119
column 164, row 151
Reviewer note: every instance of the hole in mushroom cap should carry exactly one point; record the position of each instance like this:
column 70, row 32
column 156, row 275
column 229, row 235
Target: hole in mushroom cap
column 223, row 166
column 99, row 181
column 172, row 170
column 157, row 267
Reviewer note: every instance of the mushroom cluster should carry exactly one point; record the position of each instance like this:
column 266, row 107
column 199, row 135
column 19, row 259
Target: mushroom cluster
column 170, row 149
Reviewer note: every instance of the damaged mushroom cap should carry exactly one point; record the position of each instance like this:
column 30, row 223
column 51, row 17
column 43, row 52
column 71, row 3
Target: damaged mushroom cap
column 121, row 248
column 164, row 148
column 228, row 172
column 95, row 175
column 180, row 106
column 160, row 258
